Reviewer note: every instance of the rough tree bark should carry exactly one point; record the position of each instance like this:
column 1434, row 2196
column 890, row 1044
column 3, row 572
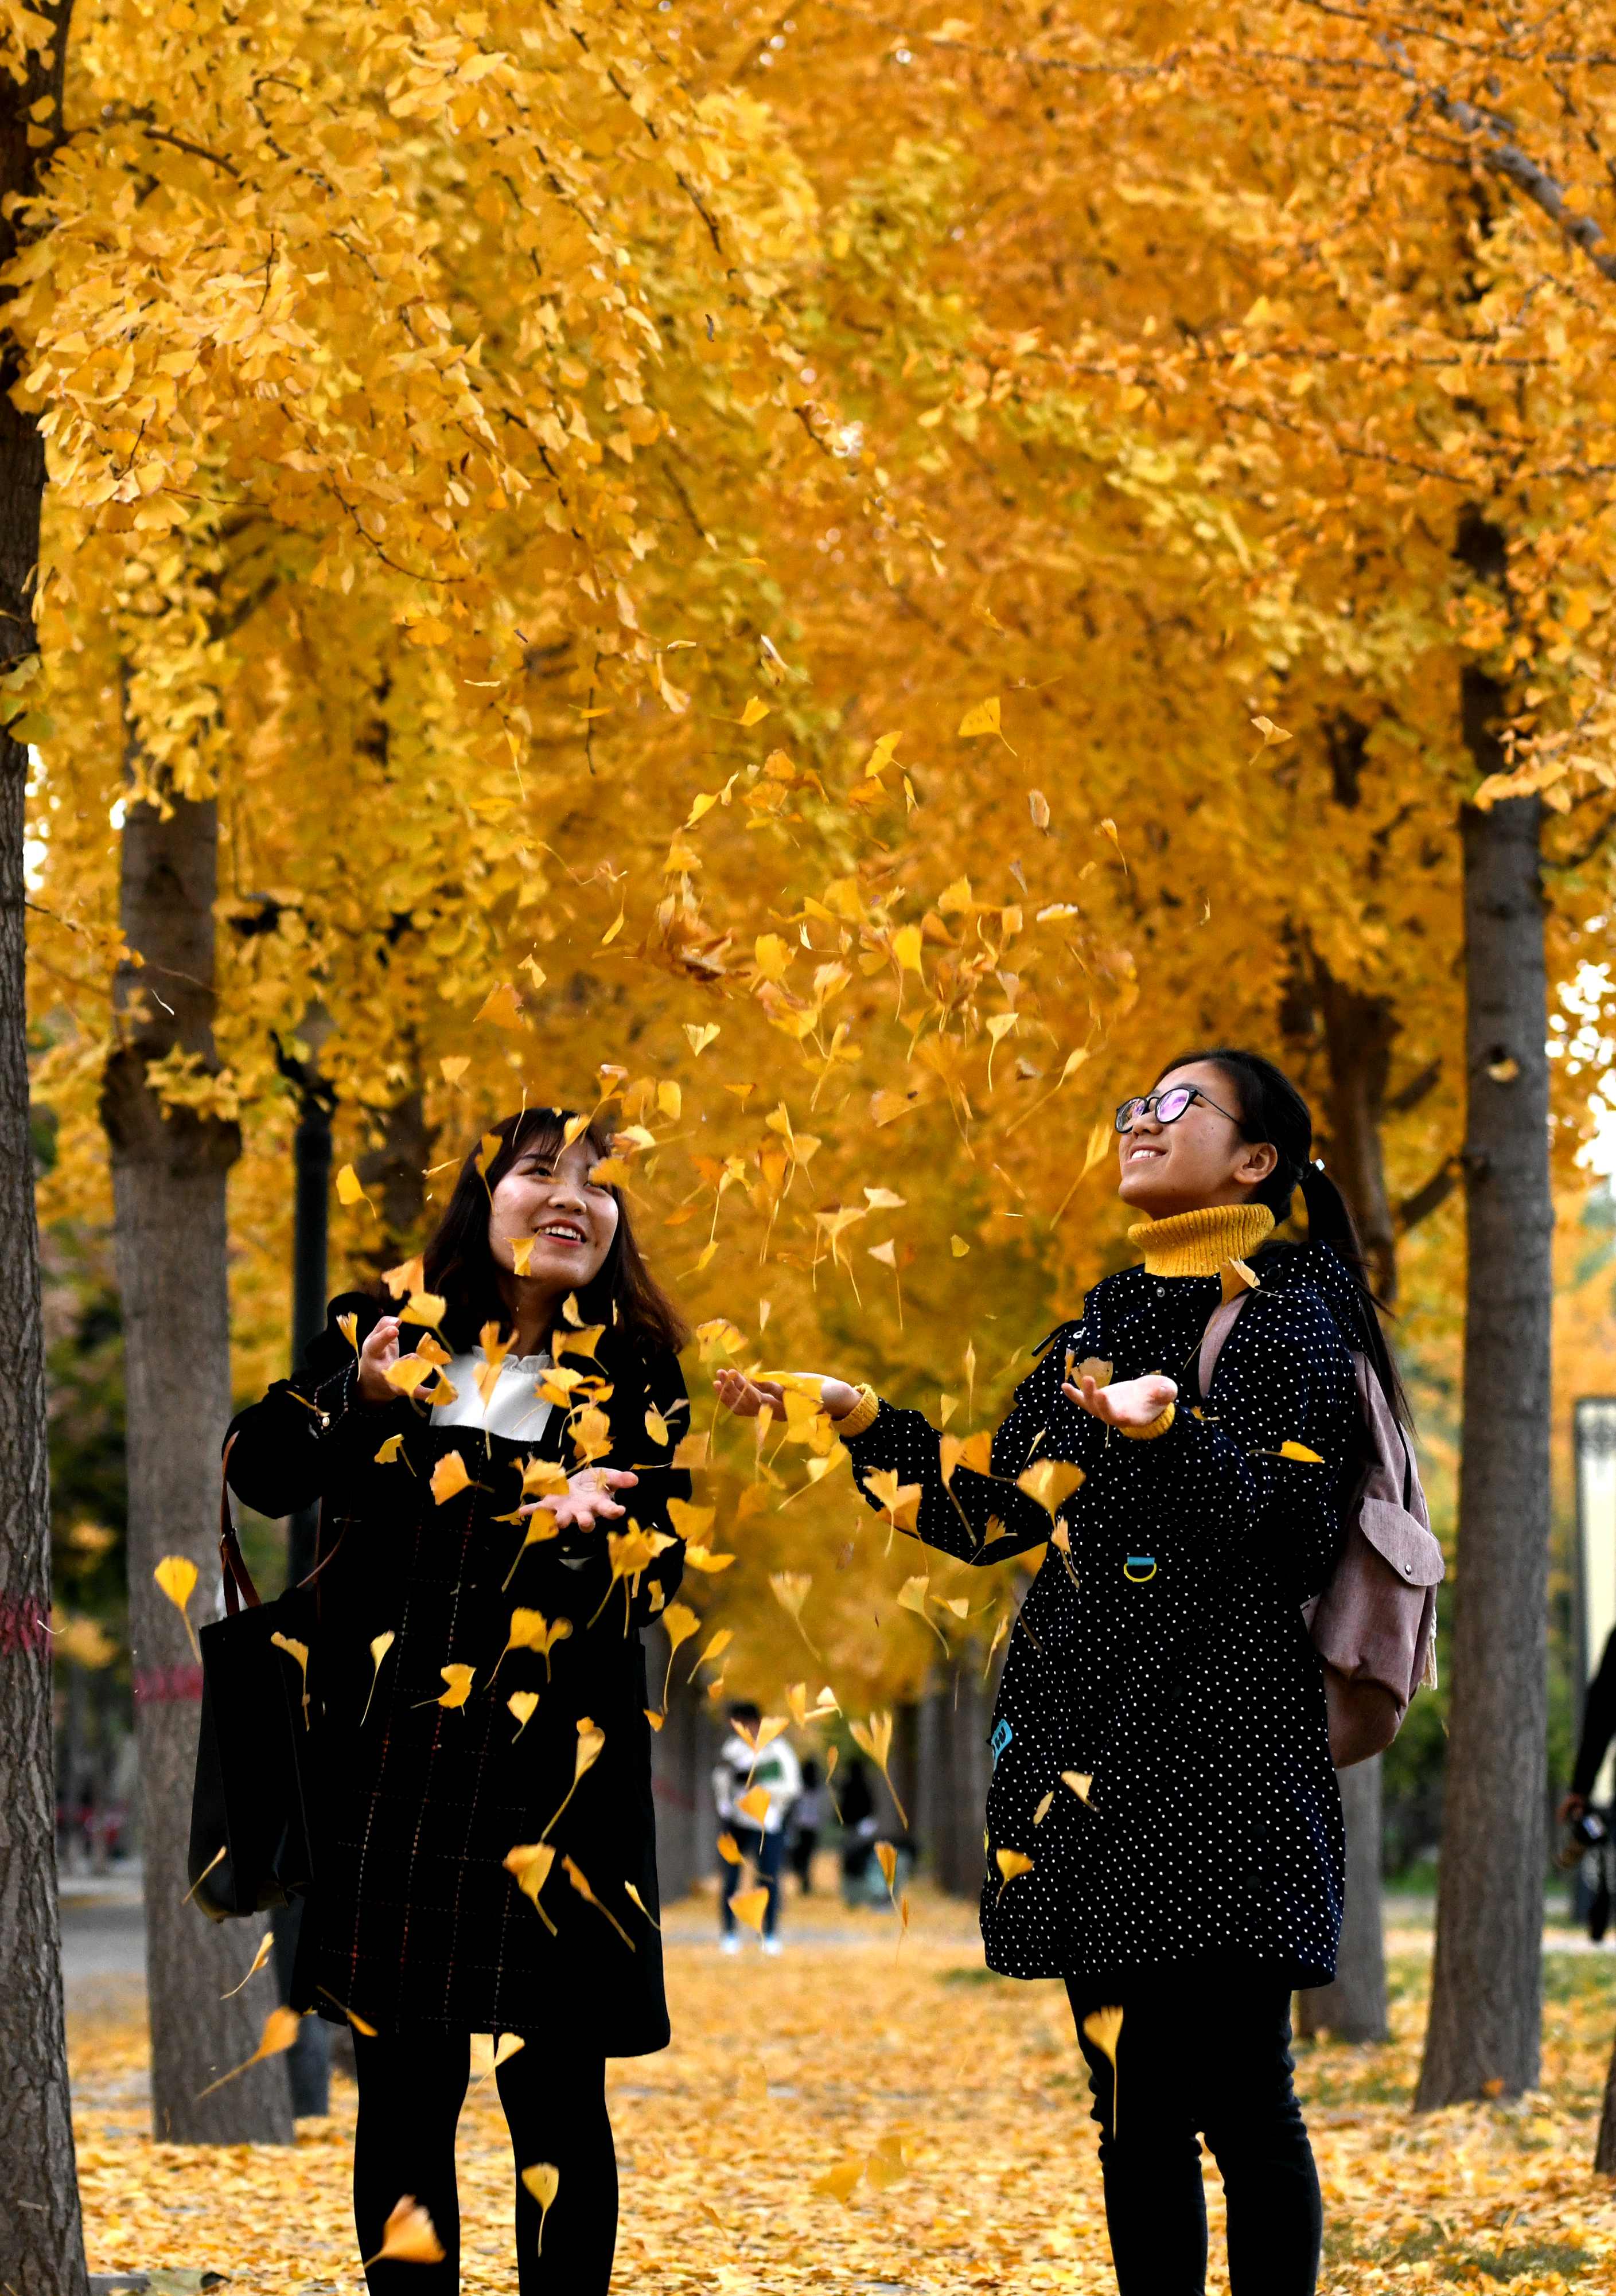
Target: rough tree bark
column 41, row 2239
column 168, row 1178
column 1486, row 2006
column 1359, row 1031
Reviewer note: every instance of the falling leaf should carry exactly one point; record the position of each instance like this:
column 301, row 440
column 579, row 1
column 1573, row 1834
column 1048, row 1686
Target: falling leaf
column 529, row 1863
column 348, row 1325
column 580, row 1883
column 749, row 1906
column 754, row 713
column 453, row 1066
column 281, row 2029
column 1503, row 1071
column 975, row 1452
column 958, row 1246
column 543, row 2180
column 1012, row 1864
column 875, row 1737
column 424, row 1307
column 265, row 1947
column 886, row 1858
column 983, row 719
column 407, row 2237
column 531, row 1630
column 390, row 1451
column 409, row 1276
column 1037, row 806
column 449, row 1476
column 523, row 1704
column 300, row 1651
column 358, row 2023
column 1271, row 734
column 630, row 1892
column 1293, row 1450
column 899, row 1503
column 1079, row 1781
column 700, row 1036
column 679, row 1622
column 501, row 1007
column 839, row 2183
column 1050, row 1482
column 459, row 1681
column 729, row 1850
column 591, row 1739
column 349, row 1191
column 175, row 1576
column 754, row 1805
column 791, row 1589
column 1044, row 1805
column 1104, row 2028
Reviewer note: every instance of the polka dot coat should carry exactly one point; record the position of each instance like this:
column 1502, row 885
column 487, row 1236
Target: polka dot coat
column 1164, row 1659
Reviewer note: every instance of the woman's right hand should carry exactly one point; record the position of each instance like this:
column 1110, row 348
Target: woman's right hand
column 746, row 1398
column 380, row 1350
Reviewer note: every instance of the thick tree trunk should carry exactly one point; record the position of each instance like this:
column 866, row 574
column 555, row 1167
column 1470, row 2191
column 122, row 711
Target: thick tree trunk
column 168, row 1177
column 1354, row 2008
column 41, row 2240
column 1486, row 1997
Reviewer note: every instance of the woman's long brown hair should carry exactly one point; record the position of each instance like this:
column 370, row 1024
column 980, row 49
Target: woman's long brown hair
column 460, row 1265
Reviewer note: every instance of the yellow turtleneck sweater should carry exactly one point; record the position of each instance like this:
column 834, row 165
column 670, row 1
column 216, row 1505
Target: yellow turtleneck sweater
column 1201, row 1242
column 1195, row 1243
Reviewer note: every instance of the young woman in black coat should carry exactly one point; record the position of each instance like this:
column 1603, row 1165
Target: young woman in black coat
column 1163, row 1828
column 498, row 1532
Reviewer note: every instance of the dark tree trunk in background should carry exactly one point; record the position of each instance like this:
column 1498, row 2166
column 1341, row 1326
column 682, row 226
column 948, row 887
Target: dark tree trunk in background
column 168, row 1178
column 395, row 1175
column 954, row 1761
column 41, row 2240
column 1354, row 2008
column 1486, row 2002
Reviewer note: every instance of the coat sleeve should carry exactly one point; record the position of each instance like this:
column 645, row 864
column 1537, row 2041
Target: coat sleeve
column 311, row 1433
column 1261, row 1469
column 1598, row 1723
column 985, row 1518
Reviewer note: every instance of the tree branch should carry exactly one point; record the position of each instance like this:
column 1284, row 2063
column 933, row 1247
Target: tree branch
column 1436, row 1191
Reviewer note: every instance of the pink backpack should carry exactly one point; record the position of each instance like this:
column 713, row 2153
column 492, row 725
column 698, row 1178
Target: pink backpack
column 1374, row 1624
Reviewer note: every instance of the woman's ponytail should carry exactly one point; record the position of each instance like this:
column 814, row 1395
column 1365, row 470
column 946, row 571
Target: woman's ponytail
column 1272, row 1111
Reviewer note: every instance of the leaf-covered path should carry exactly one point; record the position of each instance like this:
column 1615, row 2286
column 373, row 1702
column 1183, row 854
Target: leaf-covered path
column 960, row 2096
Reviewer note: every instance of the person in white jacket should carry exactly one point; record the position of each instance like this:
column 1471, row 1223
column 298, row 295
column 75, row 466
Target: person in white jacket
column 743, row 1768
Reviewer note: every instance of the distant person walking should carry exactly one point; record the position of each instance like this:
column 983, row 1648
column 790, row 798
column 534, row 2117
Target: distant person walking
column 806, row 1820
column 743, row 1768
column 1598, row 1729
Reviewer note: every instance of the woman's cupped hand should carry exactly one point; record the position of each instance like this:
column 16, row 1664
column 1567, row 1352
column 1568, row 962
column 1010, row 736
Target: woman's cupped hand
column 746, row 1398
column 1126, row 1403
column 588, row 1498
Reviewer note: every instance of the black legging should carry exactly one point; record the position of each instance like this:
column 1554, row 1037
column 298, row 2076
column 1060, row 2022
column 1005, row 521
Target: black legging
column 1202, row 2051
column 412, row 2085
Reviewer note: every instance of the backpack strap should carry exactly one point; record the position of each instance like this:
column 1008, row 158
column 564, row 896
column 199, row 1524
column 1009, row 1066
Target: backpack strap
column 1219, row 1325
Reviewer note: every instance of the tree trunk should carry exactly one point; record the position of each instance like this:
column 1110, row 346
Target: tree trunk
column 1486, row 2000
column 41, row 2238
column 169, row 1180
column 1604, row 2152
column 1354, row 2008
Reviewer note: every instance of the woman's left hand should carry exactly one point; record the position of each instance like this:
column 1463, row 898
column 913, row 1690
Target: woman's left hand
column 1127, row 1403
column 588, row 1498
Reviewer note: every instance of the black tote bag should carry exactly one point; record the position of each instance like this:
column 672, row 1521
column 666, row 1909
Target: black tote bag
column 250, row 1832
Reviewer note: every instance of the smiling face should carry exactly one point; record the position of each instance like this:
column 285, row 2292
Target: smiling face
column 1199, row 1160
column 551, row 1198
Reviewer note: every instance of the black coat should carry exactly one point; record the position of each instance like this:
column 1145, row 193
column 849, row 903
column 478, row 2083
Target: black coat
column 411, row 1915
column 1168, row 1663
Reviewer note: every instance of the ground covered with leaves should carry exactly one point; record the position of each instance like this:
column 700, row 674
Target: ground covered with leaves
column 956, row 2100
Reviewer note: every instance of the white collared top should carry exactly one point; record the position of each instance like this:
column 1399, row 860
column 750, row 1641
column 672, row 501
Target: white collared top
column 515, row 1409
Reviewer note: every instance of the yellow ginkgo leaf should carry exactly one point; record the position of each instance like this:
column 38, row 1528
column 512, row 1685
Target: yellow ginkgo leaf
column 1050, row 1482
column 580, row 1881
column 265, row 1947
column 591, row 1740
column 529, row 1863
column 753, row 1805
column 449, row 1477
column 1079, row 1781
column 350, row 1191
column 791, row 1590
column 1292, row 1450
column 300, row 1651
column 459, row 1681
column 408, row 2236
column 175, row 1576
column 1044, row 1805
column 874, row 1737
column 754, row 713
column 281, row 2029
column 839, row 2183
column 983, row 719
column 348, row 1325
column 543, row 2180
column 1012, row 1864
column 679, row 1622
column 886, row 1858
column 523, row 1704
column 729, row 1850
column 453, row 1066
column 630, row 1892
column 501, row 1007
column 972, row 1451
column 899, row 1503
column 749, row 1906
column 1104, row 2028
column 390, row 1451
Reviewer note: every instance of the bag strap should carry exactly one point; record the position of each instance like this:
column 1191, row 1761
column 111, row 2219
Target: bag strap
column 239, row 1587
column 1219, row 1325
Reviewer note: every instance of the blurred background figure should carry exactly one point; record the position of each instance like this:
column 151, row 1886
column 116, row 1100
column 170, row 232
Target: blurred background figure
column 807, row 1816
column 758, row 1833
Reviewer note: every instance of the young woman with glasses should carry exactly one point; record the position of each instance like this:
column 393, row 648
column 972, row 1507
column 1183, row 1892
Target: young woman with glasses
column 1164, row 1827
column 485, row 1856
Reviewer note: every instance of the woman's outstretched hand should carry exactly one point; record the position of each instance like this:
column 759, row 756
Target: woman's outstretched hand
column 1129, row 1403
column 379, row 1351
column 746, row 1398
column 588, row 1498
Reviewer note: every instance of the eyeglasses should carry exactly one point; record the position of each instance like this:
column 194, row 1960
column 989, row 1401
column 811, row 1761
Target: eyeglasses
column 1166, row 1107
